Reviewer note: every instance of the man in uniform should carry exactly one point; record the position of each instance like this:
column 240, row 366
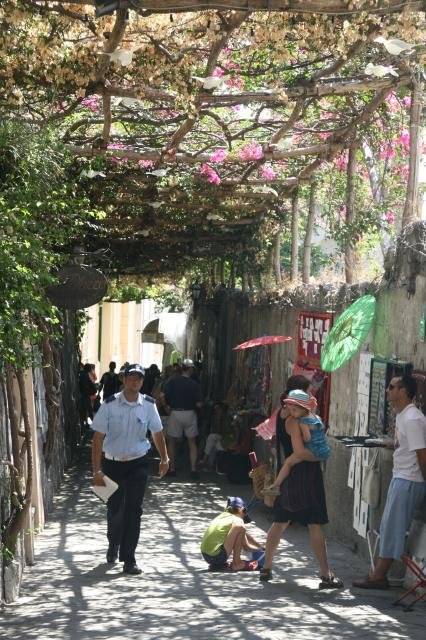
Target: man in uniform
column 120, row 427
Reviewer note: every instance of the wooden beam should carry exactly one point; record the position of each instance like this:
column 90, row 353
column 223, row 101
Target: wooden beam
column 315, row 7
column 332, row 87
column 411, row 207
column 187, row 158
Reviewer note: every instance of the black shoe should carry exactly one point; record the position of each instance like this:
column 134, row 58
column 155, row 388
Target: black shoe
column 265, row 575
column 131, row 568
column 194, row 475
column 171, row 473
column 112, row 554
column 330, row 582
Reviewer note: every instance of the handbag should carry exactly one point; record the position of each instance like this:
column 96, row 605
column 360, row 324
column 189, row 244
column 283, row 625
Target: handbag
column 370, row 492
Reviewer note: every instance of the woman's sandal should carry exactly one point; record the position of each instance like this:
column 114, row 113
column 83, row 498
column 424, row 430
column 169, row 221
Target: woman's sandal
column 265, row 575
column 330, row 582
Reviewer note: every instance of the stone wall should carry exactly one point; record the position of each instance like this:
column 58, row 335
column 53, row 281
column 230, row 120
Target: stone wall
column 217, row 325
column 46, row 479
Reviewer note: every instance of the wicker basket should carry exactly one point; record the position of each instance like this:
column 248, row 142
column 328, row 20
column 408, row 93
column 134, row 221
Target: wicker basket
column 268, row 495
column 258, row 477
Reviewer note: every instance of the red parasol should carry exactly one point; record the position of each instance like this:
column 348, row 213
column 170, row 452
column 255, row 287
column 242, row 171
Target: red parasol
column 263, row 340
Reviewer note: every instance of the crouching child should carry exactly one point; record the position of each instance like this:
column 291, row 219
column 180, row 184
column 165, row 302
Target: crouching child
column 226, row 536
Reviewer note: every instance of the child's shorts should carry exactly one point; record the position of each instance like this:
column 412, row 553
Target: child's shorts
column 217, row 560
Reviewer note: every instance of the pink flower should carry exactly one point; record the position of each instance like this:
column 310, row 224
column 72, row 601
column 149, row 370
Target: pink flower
column 219, row 155
column 91, row 103
column 217, row 73
column 324, row 135
column 293, row 60
column 404, row 139
column 235, row 83
column 389, row 217
column 230, row 64
column 341, row 162
column 146, row 164
column 387, row 150
column 210, row 173
column 393, row 102
column 342, row 212
column 402, row 170
column 407, row 101
column 117, row 145
column 236, row 107
column 267, row 172
column 251, row 151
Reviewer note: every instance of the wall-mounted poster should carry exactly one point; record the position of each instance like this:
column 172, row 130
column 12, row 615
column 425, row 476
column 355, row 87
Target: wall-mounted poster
column 313, row 331
column 380, row 416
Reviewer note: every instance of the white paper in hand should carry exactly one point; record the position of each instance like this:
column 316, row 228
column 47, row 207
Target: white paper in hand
column 105, row 492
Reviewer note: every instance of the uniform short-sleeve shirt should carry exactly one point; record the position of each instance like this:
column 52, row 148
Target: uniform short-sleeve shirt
column 410, row 436
column 125, row 424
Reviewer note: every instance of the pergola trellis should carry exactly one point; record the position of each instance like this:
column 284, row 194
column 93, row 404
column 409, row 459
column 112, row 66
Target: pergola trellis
column 161, row 210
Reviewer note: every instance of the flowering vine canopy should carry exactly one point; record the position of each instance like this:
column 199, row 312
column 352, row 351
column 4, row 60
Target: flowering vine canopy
column 191, row 123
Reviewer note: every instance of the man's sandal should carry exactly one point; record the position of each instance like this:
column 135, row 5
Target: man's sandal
column 265, row 575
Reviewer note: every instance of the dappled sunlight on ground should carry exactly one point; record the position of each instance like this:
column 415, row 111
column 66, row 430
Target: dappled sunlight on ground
column 72, row 593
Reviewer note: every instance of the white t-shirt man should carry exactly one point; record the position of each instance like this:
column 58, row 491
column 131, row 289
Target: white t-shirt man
column 410, row 436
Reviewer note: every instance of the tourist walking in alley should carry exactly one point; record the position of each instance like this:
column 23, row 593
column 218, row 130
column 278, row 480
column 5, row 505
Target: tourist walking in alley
column 302, row 495
column 183, row 396
column 109, row 382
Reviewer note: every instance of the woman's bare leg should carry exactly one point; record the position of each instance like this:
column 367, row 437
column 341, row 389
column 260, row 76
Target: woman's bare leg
column 319, row 547
column 272, row 541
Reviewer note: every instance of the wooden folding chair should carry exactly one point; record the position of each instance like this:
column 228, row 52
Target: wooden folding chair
column 420, row 584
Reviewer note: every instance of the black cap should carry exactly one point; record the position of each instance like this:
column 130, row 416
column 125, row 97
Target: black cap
column 134, row 368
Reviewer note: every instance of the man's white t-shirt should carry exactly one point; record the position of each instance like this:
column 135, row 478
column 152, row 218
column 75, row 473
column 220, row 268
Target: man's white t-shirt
column 410, row 436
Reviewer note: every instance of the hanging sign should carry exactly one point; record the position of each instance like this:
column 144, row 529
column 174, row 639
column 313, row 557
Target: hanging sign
column 312, row 334
column 79, row 287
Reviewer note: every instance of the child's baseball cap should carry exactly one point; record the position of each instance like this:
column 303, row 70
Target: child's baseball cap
column 238, row 503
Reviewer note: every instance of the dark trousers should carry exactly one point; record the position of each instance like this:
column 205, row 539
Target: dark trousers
column 124, row 508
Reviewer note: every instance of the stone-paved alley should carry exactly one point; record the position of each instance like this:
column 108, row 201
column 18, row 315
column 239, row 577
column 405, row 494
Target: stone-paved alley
column 71, row 593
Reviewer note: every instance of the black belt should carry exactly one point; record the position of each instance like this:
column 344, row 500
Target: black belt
column 182, row 409
column 108, row 456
